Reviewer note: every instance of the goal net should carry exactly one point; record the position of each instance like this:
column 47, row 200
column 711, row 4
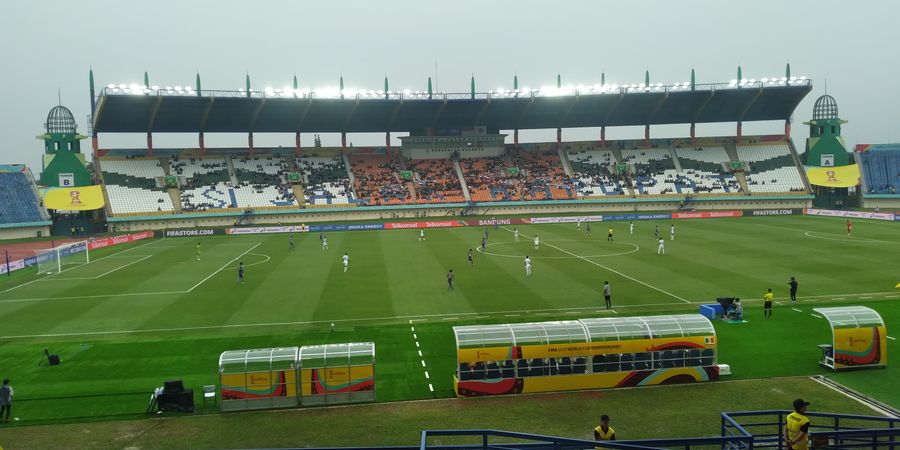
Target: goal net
column 56, row 259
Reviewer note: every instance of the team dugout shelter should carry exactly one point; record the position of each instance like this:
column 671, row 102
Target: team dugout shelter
column 859, row 338
column 584, row 354
column 290, row 376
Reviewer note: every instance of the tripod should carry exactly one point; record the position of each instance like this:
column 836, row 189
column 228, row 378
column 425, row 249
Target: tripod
column 44, row 357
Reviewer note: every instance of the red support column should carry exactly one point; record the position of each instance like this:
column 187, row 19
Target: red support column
column 603, row 136
column 387, row 141
column 149, row 144
column 343, row 140
column 558, row 138
column 740, row 131
column 298, row 148
column 250, row 142
column 95, row 146
column 647, row 135
column 787, row 129
column 202, row 145
column 693, row 133
column 516, row 138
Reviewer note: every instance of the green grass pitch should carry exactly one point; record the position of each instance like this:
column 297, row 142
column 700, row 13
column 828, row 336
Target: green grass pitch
column 145, row 312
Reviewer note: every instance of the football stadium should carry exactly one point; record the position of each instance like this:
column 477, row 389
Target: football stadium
column 457, row 286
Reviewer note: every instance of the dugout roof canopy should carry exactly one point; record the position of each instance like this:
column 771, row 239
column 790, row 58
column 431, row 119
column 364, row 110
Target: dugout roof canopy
column 258, row 360
column 583, row 330
column 851, row 316
column 144, row 110
column 337, row 355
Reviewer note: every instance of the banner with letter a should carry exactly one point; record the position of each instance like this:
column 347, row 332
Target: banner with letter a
column 84, row 198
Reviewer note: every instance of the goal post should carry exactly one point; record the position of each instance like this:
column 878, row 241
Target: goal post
column 59, row 258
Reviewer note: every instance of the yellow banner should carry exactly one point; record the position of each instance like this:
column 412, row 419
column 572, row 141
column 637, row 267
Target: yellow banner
column 84, row 198
column 840, row 177
column 857, row 347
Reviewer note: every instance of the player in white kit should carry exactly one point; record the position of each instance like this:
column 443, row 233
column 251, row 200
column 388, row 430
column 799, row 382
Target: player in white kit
column 537, row 242
column 630, row 227
column 421, row 234
column 672, row 232
column 346, row 262
column 516, row 234
column 324, row 243
column 661, row 249
column 527, row 266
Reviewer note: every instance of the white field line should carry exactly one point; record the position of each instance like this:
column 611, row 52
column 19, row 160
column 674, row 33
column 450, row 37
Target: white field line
column 70, row 268
column 816, row 316
column 79, row 297
column 224, row 266
column 892, row 338
column 410, row 318
column 867, row 404
column 795, row 309
column 611, row 270
column 122, row 267
column 422, row 358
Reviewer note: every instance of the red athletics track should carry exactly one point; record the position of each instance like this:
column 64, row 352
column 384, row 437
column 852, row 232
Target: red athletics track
column 23, row 250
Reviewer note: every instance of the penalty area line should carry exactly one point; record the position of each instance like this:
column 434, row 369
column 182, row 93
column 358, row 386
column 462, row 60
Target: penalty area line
column 613, row 271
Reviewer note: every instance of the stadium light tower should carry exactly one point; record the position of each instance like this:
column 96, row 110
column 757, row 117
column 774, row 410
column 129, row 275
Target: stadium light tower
column 516, row 90
column 603, row 125
column 787, row 123
column 558, row 129
column 647, row 125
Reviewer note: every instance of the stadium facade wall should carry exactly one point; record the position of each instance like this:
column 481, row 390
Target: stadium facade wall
column 24, row 232
column 309, row 216
column 886, row 202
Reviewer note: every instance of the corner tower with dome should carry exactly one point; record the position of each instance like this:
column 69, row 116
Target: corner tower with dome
column 63, row 163
column 832, row 174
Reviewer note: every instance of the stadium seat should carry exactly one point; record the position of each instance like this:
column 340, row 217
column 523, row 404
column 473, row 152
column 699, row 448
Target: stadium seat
column 707, row 357
column 522, row 368
column 19, row 198
column 132, row 185
column 261, row 182
column 702, row 171
column 579, row 366
column 595, row 173
column 325, row 179
column 880, row 169
column 654, row 170
column 508, row 370
column 436, row 181
column 612, row 363
column 772, row 168
column 493, row 371
column 627, row 362
column 694, row 358
column 642, row 361
column 598, row 363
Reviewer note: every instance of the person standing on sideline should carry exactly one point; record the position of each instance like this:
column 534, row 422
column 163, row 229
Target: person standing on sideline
column 587, row 228
column 6, row 397
column 471, row 258
column 767, row 304
column 607, row 294
column 537, row 242
column 346, row 260
column 609, row 237
column 241, row 272
column 421, row 234
column 630, row 227
column 796, row 429
column 849, row 227
column 604, row 432
column 324, row 243
column 516, row 233
column 661, row 248
column 483, row 244
column 656, row 232
column 527, row 266
column 578, row 224
column 672, row 232
column 291, row 243
column 198, row 251
column 793, row 285
column 450, row 278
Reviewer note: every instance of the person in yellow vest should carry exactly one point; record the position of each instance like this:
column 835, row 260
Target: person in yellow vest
column 604, row 432
column 767, row 304
column 796, row 430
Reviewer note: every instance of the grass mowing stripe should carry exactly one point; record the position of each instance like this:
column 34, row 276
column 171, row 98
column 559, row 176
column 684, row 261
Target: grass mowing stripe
column 611, row 270
column 223, row 267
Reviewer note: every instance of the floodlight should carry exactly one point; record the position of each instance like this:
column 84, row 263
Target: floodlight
column 122, row 86
column 111, row 86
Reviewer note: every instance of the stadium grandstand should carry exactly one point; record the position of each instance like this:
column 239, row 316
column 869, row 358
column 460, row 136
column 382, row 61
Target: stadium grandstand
column 21, row 208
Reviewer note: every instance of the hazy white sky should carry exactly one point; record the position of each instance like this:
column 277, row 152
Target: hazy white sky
column 50, row 45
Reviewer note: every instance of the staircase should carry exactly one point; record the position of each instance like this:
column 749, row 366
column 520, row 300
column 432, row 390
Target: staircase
column 675, row 160
column 175, row 195
column 231, row 174
column 742, row 180
column 566, row 164
column 462, row 181
column 412, row 190
column 297, row 189
column 164, row 163
column 349, row 169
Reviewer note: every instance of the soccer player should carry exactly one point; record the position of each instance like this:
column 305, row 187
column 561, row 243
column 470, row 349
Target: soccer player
column 604, row 432
column 324, row 243
column 607, row 294
column 793, row 285
column 346, row 262
column 578, row 224
column 527, row 266
column 587, row 229
column 630, row 227
column 767, row 304
column 849, row 227
column 291, row 243
column 471, row 258
column 450, row 278
column 241, row 272
column 485, row 233
column 421, row 234
column 496, row 224
column 483, row 244
column 516, row 233
column 609, row 237
column 656, row 232
column 198, row 251
column 672, row 232
column 661, row 248
column 537, row 242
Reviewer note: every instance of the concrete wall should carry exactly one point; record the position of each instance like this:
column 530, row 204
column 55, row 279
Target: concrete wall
column 884, row 203
column 363, row 213
column 23, row 232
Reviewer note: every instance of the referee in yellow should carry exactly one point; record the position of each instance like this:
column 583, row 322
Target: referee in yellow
column 767, row 304
column 796, row 430
column 604, row 432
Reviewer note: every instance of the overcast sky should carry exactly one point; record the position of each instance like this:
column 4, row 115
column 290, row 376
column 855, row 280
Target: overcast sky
column 50, row 45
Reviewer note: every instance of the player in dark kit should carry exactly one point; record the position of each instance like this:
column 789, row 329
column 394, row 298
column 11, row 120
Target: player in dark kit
column 793, row 285
column 483, row 244
column 291, row 243
column 241, row 272
column 471, row 258
column 450, row 278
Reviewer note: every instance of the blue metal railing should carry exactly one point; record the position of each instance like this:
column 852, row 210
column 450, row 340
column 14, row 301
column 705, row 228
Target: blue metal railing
column 488, row 439
column 837, row 431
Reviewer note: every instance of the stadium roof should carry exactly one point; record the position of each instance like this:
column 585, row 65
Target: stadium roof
column 140, row 109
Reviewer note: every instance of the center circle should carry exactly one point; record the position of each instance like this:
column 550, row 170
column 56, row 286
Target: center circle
column 527, row 243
